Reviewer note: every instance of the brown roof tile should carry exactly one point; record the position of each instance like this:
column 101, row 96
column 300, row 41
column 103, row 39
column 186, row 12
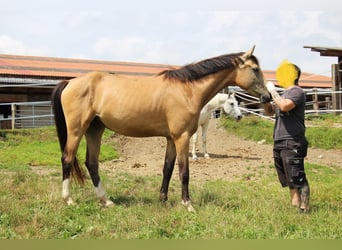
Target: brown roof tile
column 62, row 67
column 68, row 68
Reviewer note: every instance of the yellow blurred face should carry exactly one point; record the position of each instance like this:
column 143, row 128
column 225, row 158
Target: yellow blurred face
column 286, row 74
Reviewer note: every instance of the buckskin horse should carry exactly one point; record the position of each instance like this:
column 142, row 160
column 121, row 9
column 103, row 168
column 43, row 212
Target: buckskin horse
column 167, row 104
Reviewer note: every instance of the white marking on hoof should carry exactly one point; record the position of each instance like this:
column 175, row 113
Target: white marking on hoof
column 108, row 203
column 188, row 206
column 65, row 193
column 101, row 194
column 69, row 201
column 194, row 157
column 206, row 156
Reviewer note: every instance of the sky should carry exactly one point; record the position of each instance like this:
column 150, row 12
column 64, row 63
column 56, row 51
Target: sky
column 175, row 32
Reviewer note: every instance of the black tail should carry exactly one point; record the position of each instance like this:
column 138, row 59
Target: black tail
column 61, row 127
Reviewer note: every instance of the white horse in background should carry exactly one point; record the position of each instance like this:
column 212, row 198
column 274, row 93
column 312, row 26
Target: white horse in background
column 230, row 106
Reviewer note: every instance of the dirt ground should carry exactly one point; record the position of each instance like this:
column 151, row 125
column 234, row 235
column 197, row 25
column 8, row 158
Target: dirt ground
column 231, row 157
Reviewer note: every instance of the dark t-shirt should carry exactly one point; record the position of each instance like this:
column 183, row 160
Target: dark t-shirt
column 290, row 125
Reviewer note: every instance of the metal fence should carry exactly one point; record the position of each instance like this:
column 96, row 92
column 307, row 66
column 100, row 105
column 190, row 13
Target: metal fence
column 39, row 114
column 26, row 115
column 319, row 102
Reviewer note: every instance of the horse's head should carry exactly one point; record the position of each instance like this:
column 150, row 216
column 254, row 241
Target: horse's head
column 250, row 77
column 231, row 107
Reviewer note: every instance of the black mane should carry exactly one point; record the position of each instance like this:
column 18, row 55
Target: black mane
column 196, row 71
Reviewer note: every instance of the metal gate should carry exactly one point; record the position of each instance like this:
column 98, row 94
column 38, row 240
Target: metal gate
column 26, row 115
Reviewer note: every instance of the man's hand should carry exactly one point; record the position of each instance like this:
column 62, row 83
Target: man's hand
column 270, row 86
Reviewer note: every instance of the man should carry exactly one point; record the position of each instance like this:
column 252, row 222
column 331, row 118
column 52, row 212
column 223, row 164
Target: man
column 290, row 144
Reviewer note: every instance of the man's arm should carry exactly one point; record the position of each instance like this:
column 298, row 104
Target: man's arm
column 283, row 104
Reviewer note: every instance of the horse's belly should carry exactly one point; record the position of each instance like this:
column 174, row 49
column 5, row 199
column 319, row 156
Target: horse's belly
column 137, row 127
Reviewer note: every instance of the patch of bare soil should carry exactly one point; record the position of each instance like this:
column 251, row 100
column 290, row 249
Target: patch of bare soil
column 231, row 157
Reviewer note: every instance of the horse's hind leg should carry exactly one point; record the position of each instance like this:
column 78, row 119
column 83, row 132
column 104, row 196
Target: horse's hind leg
column 69, row 162
column 93, row 136
column 169, row 163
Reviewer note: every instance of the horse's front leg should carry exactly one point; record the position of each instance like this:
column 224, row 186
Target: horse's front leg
column 204, row 138
column 182, row 149
column 169, row 163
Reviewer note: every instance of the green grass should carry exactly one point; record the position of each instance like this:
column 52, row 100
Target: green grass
column 324, row 120
column 31, row 206
column 321, row 133
column 250, row 127
column 21, row 149
column 225, row 210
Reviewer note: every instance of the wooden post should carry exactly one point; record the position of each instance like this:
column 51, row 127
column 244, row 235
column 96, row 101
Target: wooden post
column 14, row 111
column 327, row 103
column 315, row 100
column 336, row 86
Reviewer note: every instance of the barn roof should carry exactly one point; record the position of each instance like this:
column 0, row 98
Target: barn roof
column 307, row 80
column 68, row 68
column 326, row 51
column 16, row 66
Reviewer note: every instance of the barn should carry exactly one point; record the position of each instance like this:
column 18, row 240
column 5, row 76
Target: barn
column 26, row 83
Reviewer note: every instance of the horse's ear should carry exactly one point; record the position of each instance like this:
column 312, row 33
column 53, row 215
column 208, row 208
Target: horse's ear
column 248, row 53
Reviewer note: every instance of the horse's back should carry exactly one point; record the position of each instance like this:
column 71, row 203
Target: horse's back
column 133, row 106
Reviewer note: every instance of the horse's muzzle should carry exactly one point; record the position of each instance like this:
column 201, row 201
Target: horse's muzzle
column 265, row 99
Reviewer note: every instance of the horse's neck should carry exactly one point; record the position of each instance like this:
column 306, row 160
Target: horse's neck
column 212, row 84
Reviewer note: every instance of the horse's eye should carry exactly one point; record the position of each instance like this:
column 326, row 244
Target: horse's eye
column 256, row 70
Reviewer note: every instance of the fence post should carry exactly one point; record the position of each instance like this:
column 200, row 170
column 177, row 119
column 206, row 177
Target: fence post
column 336, row 81
column 33, row 116
column 51, row 117
column 327, row 103
column 315, row 100
column 14, row 111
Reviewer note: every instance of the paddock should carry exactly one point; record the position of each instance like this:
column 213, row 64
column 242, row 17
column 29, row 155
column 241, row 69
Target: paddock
column 232, row 203
column 26, row 80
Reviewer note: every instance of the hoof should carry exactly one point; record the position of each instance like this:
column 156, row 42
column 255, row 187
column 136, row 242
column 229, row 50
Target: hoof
column 304, row 210
column 107, row 203
column 195, row 157
column 206, row 156
column 69, row 201
column 188, row 206
column 163, row 197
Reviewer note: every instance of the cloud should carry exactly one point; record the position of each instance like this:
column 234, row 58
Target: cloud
column 82, row 18
column 313, row 25
column 9, row 45
column 221, row 20
column 132, row 48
